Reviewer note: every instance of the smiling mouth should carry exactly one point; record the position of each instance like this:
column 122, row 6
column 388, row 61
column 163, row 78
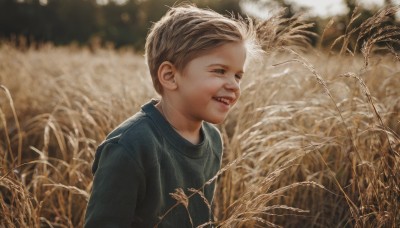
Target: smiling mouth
column 223, row 100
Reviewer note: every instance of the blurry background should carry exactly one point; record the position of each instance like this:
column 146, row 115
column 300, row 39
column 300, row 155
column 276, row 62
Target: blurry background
column 314, row 140
column 126, row 22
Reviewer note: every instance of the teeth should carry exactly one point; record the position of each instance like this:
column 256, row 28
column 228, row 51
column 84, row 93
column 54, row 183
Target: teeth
column 223, row 100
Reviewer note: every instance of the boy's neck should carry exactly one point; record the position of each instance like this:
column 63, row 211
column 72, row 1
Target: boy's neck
column 188, row 129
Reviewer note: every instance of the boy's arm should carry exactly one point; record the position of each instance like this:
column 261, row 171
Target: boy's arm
column 116, row 186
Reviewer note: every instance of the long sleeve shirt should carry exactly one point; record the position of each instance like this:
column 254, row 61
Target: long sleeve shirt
column 144, row 160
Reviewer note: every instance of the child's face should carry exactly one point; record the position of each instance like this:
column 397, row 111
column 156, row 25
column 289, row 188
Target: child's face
column 209, row 85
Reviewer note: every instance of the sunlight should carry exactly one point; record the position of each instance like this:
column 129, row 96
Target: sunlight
column 323, row 9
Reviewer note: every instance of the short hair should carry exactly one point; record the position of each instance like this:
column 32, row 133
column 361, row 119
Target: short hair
column 185, row 32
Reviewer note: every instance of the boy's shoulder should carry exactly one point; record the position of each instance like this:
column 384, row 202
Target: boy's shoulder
column 134, row 137
column 133, row 127
column 138, row 130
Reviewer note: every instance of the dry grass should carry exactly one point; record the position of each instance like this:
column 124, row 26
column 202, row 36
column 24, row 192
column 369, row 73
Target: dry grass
column 313, row 142
column 327, row 124
column 66, row 102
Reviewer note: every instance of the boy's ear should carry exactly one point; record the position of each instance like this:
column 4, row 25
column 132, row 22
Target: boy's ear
column 166, row 75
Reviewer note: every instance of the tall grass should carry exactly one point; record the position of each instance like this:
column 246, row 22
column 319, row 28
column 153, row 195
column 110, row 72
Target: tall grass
column 313, row 142
column 333, row 134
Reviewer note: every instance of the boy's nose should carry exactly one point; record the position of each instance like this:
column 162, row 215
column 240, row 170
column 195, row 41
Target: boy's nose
column 232, row 84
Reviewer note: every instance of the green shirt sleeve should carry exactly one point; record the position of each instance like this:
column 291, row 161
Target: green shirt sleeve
column 116, row 185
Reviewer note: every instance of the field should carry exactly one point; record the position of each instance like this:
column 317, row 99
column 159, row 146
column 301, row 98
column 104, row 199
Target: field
column 313, row 142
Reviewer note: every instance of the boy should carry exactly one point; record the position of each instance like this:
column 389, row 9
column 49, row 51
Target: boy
column 196, row 59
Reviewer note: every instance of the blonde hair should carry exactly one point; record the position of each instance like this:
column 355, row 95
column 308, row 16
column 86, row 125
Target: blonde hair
column 185, row 32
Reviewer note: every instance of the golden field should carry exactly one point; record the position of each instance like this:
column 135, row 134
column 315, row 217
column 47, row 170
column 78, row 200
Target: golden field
column 301, row 147
column 313, row 142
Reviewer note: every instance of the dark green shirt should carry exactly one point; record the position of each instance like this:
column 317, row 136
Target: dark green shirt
column 144, row 160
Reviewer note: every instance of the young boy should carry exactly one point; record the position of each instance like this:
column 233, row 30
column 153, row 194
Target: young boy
column 196, row 59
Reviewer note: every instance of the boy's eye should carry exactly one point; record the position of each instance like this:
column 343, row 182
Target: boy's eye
column 238, row 76
column 219, row 71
